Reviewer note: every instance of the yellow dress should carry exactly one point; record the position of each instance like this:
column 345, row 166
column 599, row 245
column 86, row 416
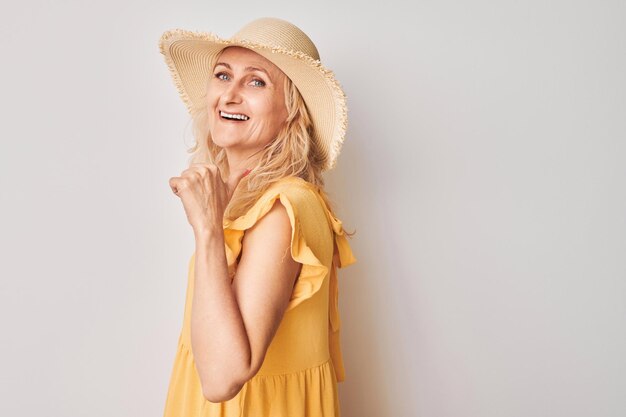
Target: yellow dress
column 304, row 362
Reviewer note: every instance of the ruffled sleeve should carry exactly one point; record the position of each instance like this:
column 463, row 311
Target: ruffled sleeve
column 313, row 270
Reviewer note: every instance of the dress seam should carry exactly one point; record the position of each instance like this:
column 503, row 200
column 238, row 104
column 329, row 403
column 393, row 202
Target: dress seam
column 324, row 362
column 293, row 373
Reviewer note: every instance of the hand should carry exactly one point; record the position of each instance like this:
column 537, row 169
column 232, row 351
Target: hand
column 204, row 195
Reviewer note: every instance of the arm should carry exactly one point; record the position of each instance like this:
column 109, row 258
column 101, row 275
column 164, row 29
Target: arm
column 232, row 326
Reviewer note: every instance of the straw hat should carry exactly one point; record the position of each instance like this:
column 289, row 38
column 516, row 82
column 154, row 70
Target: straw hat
column 189, row 53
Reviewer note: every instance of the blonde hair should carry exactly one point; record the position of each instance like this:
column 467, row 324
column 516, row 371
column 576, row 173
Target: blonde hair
column 292, row 153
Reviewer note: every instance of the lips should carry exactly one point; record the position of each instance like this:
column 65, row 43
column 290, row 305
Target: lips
column 232, row 119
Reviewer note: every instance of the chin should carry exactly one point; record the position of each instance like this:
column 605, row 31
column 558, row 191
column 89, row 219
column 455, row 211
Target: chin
column 225, row 142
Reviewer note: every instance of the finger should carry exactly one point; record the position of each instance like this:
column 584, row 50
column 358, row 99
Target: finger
column 178, row 185
column 173, row 183
column 203, row 170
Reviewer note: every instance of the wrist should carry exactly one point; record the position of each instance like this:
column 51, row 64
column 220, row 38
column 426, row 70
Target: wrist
column 208, row 234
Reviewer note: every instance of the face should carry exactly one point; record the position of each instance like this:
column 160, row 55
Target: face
column 245, row 83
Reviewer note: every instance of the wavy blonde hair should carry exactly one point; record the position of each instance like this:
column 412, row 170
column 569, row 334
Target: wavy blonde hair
column 292, row 153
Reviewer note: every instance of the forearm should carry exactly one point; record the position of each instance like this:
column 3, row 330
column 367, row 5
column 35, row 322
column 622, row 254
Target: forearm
column 219, row 340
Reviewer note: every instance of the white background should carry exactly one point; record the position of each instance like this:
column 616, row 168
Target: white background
column 483, row 171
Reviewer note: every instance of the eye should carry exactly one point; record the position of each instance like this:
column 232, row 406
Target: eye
column 260, row 82
column 219, row 74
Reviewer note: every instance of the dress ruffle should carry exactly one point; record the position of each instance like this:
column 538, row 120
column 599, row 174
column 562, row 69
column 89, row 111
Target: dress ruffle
column 264, row 395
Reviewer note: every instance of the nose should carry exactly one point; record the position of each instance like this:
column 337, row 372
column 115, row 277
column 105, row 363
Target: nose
column 232, row 93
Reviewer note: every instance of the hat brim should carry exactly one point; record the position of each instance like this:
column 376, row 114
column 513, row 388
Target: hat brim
column 188, row 55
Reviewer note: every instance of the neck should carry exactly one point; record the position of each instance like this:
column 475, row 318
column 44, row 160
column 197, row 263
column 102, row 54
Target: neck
column 239, row 163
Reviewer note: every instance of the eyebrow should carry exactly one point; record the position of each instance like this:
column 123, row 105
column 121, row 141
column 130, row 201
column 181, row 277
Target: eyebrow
column 246, row 68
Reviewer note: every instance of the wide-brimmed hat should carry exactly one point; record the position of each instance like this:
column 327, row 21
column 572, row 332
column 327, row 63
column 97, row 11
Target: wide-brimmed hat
column 188, row 55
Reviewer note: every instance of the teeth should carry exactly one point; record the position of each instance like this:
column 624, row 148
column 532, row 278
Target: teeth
column 234, row 116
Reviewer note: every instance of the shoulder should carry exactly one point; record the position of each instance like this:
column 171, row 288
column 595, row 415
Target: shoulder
column 293, row 187
column 297, row 197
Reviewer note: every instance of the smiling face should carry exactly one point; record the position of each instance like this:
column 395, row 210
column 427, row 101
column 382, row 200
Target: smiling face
column 245, row 83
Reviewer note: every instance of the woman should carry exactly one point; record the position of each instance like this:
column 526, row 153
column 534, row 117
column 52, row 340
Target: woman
column 260, row 333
